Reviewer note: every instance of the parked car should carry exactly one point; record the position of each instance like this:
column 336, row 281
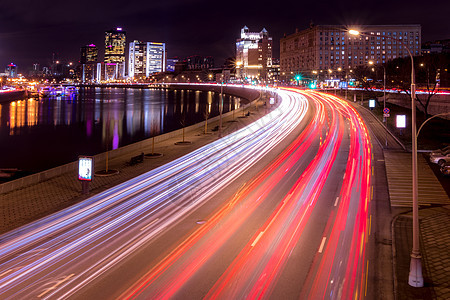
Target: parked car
column 445, row 170
column 440, row 159
column 441, row 151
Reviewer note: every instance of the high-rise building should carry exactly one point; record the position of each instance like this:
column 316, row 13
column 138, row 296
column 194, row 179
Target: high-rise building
column 115, row 54
column 156, row 58
column 146, row 59
column 89, row 54
column 115, row 46
column 253, row 54
column 11, row 70
column 323, row 49
column 88, row 63
column 137, row 59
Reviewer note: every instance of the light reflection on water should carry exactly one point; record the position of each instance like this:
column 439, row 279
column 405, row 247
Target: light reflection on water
column 37, row 134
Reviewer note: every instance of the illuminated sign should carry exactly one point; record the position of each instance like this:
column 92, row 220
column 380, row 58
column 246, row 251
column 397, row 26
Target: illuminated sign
column 85, row 167
column 371, row 103
column 272, row 101
column 401, row 121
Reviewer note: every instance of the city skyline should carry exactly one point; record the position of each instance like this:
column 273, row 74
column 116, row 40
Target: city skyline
column 188, row 28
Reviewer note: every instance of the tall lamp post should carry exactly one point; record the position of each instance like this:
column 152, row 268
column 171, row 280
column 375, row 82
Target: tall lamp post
column 384, row 98
column 415, row 267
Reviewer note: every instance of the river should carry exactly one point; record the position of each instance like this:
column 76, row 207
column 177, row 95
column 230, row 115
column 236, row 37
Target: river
column 38, row 134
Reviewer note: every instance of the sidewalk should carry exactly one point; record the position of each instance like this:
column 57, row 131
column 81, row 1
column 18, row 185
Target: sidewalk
column 22, row 206
column 434, row 246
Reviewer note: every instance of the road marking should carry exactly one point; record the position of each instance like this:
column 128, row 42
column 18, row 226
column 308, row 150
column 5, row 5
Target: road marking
column 367, row 275
column 380, row 159
column 370, row 223
column 257, row 238
column 322, row 244
column 55, row 285
column 151, row 223
column 336, row 202
column 372, row 170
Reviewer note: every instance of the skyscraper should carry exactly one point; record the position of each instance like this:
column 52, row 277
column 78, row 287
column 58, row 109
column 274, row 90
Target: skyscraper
column 11, row 70
column 137, row 59
column 156, row 58
column 253, row 54
column 88, row 61
column 115, row 46
column 89, row 54
column 146, row 59
column 115, row 54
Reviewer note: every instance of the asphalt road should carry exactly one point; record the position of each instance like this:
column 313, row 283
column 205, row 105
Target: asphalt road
column 278, row 209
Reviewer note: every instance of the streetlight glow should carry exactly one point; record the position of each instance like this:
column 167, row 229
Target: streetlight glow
column 353, row 32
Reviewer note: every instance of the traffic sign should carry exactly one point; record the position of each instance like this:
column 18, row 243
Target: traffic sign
column 386, row 110
column 386, row 115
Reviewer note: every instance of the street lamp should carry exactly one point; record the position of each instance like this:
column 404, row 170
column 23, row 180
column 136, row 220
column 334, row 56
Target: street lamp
column 384, row 97
column 415, row 268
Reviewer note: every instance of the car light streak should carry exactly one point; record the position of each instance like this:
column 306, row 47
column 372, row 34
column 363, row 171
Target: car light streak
column 89, row 239
column 341, row 268
column 235, row 219
column 255, row 270
column 93, row 244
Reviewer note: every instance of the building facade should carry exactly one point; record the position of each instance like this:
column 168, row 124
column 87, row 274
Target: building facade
column 115, row 40
column 156, row 58
column 89, row 54
column 146, row 58
column 88, row 61
column 253, row 54
column 115, row 46
column 324, row 49
column 137, row 59
column 11, row 70
column 170, row 64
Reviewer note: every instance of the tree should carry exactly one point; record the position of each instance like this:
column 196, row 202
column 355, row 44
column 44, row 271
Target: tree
column 365, row 77
column 428, row 70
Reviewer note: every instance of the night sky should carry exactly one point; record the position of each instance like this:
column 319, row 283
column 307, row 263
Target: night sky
column 30, row 31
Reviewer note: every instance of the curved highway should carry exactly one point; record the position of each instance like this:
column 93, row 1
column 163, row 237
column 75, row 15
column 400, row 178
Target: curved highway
column 296, row 228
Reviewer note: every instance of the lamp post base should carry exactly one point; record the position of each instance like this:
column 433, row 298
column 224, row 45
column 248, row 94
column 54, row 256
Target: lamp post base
column 415, row 271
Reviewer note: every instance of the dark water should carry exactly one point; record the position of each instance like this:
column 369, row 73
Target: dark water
column 38, row 134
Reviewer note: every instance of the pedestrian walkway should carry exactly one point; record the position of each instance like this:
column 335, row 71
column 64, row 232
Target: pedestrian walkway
column 434, row 247
column 399, row 175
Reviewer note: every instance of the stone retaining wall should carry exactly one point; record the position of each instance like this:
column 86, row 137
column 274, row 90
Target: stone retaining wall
column 438, row 103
